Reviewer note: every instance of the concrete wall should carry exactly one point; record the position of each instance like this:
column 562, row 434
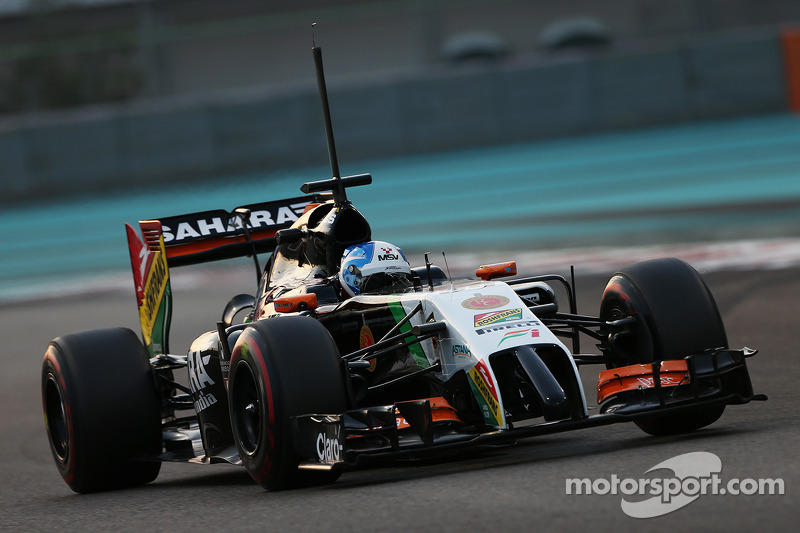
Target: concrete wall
column 147, row 143
column 180, row 47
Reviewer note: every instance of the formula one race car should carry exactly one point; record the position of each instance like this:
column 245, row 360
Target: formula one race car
column 348, row 355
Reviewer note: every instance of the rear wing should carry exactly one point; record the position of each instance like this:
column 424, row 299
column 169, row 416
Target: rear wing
column 199, row 238
column 215, row 235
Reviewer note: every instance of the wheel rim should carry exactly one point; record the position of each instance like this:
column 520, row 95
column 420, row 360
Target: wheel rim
column 246, row 406
column 56, row 419
column 624, row 340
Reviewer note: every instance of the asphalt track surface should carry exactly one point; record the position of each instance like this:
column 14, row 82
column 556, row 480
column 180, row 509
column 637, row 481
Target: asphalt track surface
column 514, row 488
column 718, row 182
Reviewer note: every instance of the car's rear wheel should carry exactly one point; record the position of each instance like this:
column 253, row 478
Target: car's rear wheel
column 675, row 315
column 102, row 410
column 280, row 368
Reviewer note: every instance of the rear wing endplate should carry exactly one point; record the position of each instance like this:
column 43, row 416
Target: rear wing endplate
column 198, row 238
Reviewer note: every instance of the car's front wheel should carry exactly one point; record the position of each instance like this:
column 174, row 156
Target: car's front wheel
column 280, row 368
column 674, row 315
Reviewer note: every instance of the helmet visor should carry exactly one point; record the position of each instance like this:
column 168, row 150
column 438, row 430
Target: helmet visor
column 387, row 283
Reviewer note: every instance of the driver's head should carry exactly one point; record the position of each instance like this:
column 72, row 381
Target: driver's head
column 374, row 266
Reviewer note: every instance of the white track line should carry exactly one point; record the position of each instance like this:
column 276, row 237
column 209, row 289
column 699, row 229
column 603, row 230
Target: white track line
column 706, row 257
column 770, row 254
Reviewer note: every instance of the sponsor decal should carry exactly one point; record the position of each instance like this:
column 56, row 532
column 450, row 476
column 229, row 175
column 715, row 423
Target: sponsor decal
column 187, row 228
column 400, row 422
column 535, row 297
column 507, row 315
column 649, row 383
column 282, row 305
column 513, row 334
column 365, row 338
column 484, row 390
column 198, row 379
column 154, row 286
column 151, row 277
column 140, row 258
column 204, row 401
column 489, row 301
column 198, row 376
column 329, row 449
column 388, row 254
column 510, row 325
column 461, row 350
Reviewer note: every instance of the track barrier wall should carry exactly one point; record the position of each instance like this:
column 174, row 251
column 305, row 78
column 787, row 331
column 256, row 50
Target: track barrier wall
column 154, row 142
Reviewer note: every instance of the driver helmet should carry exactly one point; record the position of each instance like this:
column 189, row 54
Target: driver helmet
column 374, row 266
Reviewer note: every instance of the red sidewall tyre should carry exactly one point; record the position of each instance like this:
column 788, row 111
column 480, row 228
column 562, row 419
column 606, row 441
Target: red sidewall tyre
column 102, row 411
column 280, row 368
column 676, row 316
column 675, row 312
column 261, row 439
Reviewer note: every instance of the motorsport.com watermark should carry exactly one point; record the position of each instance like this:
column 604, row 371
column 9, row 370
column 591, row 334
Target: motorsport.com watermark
column 695, row 474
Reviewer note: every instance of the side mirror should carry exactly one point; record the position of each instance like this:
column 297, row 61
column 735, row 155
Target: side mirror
column 292, row 304
column 238, row 303
column 289, row 235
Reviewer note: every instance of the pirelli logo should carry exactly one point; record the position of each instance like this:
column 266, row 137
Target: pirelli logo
column 509, row 325
column 506, row 315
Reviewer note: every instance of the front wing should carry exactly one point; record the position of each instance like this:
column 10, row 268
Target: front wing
column 330, row 441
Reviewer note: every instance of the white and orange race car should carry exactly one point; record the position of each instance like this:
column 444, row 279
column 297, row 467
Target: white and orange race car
column 346, row 354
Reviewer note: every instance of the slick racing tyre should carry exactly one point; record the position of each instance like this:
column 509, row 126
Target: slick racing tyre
column 102, row 411
column 280, row 368
column 675, row 316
